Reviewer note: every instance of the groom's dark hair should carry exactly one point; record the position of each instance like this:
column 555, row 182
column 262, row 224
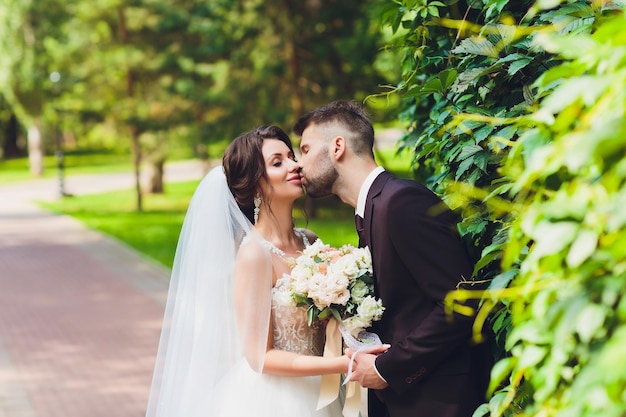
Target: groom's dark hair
column 350, row 115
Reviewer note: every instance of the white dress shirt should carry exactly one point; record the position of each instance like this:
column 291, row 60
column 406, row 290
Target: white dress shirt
column 365, row 188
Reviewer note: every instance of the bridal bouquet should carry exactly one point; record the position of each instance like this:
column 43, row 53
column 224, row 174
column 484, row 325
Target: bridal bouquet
column 336, row 282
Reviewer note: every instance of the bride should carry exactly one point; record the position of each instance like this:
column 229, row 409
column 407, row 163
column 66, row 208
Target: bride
column 232, row 343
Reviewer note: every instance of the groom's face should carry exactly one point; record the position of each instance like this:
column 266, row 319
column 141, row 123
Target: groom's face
column 318, row 173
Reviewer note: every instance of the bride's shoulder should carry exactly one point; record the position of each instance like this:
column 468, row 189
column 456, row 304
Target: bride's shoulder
column 252, row 250
column 309, row 235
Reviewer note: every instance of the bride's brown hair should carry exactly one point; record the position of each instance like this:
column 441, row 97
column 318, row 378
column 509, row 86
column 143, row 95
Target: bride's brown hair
column 244, row 165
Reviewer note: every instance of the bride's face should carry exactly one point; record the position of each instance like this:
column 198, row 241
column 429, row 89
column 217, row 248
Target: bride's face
column 282, row 170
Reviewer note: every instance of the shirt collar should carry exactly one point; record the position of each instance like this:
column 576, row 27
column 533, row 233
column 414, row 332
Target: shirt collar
column 365, row 188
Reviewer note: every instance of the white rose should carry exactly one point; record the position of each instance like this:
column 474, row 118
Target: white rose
column 281, row 292
column 359, row 291
column 347, row 248
column 302, row 273
column 284, row 298
column 355, row 324
column 313, row 250
column 363, row 258
column 304, row 262
column 370, row 308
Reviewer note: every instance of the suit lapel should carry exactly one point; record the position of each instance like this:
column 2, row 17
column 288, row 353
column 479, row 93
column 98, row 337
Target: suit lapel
column 370, row 207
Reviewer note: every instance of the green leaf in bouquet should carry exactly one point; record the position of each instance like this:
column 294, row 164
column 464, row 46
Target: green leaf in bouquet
column 336, row 314
column 367, row 278
column 312, row 313
column 301, row 299
column 324, row 313
column 350, row 307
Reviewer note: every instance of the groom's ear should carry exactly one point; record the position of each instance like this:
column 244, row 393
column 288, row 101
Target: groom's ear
column 339, row 147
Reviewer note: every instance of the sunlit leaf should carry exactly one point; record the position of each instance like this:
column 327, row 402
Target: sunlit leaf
column 552, row 237
column 481, row 411
column 589, row 321
column 531, row 356
column 582, row 248
column 468, row 151
column 476, row 45
column 502, row 280
column 500, row 371
column 447, row 77
column 518, row 65
column 497, row 403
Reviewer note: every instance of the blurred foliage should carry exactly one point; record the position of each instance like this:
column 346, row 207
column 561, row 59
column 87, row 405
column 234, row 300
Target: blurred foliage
column 517, row 116
column 183, row 73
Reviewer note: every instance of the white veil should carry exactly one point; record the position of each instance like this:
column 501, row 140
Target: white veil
column 203, row 335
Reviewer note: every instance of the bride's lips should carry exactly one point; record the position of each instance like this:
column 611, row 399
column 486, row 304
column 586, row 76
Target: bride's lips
column 295, row 178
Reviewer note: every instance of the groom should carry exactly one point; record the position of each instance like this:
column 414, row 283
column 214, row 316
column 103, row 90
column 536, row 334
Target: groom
column 418, row 257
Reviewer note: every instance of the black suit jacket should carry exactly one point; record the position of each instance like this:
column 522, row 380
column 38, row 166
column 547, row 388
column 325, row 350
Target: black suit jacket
column 418, row 258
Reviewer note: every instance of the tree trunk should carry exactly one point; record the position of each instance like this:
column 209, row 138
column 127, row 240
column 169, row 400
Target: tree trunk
column 35, row 148
column 10, row 149
column 134, row 131
column 155, row 177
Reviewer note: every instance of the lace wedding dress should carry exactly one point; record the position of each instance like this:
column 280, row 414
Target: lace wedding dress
column 244, row 392
column 200, row 369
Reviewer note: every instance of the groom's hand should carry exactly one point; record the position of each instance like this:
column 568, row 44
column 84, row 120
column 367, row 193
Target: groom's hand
column 364, row 371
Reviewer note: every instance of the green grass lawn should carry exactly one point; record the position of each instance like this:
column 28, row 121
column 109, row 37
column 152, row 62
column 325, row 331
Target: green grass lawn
column 16, row 170
column 154, row 232
column 333, row 222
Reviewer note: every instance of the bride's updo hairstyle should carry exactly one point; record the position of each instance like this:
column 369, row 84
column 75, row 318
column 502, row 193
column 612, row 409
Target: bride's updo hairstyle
column 244, row 165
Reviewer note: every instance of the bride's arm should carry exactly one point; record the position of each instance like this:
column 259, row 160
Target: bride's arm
column 252, row 291
column 252, row 299
column 280, row 362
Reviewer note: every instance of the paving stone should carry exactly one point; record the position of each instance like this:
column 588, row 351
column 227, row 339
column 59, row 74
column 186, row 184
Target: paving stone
column 80, row 313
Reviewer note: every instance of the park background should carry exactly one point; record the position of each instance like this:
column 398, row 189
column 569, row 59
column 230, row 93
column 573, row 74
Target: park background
column 512, row 111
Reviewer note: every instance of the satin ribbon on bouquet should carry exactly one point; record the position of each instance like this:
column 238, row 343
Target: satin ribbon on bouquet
column 331, row 384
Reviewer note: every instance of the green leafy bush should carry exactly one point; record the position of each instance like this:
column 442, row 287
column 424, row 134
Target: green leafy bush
column 519, row 121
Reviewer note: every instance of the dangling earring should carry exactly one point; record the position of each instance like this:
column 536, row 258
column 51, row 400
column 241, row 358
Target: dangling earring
column 257, row 205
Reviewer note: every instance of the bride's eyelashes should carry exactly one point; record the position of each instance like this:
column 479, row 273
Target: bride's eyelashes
column 279, row 163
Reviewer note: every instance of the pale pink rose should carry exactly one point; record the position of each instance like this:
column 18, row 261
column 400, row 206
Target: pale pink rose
column 347, row 266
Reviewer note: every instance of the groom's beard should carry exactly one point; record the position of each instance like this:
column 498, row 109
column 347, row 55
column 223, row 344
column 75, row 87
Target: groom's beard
column 322, row 184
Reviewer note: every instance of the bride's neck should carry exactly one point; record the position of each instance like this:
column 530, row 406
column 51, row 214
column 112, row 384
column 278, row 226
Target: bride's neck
column 277, row 227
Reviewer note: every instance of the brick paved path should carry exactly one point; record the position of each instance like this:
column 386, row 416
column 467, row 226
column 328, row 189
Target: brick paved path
column 80, row 313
